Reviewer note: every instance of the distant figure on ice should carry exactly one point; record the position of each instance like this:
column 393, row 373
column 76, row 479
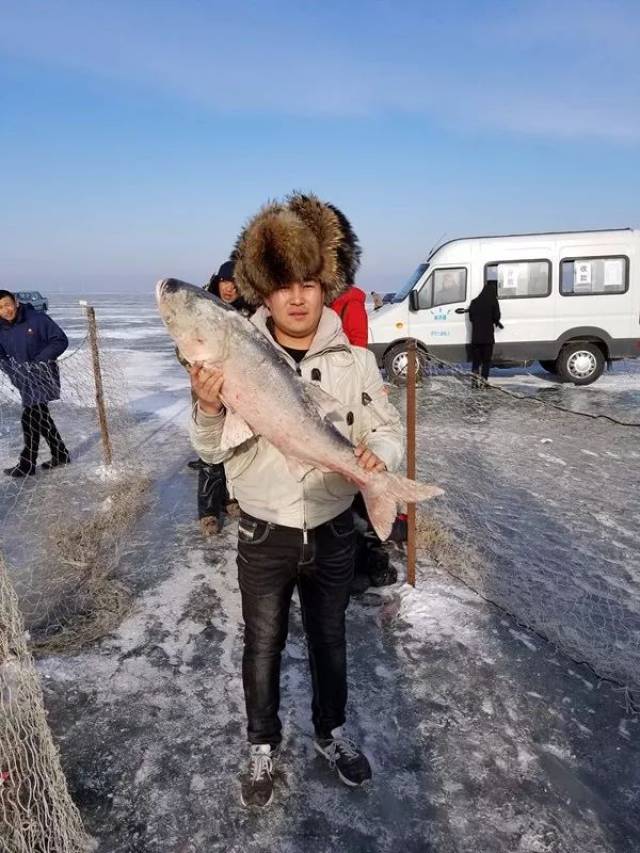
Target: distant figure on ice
column 377, row 300
column 484, row 313
column 30, row 343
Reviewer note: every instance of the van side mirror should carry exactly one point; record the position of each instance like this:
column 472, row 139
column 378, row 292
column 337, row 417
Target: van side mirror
column 461, row 311
column 413, row 300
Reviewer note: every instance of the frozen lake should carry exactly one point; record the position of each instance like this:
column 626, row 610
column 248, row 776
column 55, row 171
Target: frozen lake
column 484, row 737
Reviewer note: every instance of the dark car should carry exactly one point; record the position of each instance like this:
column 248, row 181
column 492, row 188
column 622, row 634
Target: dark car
column 35, row 298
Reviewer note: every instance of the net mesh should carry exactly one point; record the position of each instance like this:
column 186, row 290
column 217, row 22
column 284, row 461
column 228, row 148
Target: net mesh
column 37, row 814
column 539, row 514
column 67, row 524
column 64, row 532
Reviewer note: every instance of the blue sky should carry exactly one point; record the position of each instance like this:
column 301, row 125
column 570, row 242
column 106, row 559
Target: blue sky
column 136, row 137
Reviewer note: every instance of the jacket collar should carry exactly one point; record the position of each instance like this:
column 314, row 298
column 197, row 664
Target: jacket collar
column 329, row 334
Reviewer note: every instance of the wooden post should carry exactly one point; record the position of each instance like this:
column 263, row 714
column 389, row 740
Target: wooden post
column 97, row 376
column 411, row 459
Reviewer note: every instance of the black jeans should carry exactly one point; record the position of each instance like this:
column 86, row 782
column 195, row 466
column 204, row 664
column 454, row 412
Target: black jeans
column 212, row 491
column 272, row 561
column 481, row 355
column 36, row 422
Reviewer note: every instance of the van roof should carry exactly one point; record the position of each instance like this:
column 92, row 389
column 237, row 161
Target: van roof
column 525, row 234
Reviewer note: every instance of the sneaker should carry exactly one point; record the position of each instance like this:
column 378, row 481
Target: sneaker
column 344, row 756
column 20, row 471
column 209, row 526
column 257, row 784
column 56, row 463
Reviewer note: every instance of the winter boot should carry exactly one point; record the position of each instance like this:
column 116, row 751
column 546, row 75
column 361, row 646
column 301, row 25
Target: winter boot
column 20, row 470
column 351, row 764
column 257, row 783
column 56, row 462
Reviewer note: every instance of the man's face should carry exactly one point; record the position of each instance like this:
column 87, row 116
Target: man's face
column 297, row 308
column 228, row 291
column 8, row 309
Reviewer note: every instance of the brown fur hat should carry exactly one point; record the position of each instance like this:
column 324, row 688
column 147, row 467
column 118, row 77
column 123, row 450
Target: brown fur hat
column 302, row 239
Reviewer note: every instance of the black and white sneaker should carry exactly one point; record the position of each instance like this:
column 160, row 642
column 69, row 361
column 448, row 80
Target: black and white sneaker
column 257, row 783
column 344, row 756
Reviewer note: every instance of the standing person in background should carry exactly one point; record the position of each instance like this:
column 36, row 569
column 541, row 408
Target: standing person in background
column 349, row 306
column 484, row 313
column 30, row 343
column 377, row 300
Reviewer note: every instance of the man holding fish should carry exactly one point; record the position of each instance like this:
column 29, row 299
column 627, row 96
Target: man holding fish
column 302, row 423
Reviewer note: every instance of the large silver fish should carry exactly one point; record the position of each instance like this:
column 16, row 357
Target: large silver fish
column 262, row 391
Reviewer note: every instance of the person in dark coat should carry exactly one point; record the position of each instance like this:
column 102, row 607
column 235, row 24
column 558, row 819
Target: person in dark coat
column 30, row 343
column 484, row 313
column 222, row 285
column 213, row 496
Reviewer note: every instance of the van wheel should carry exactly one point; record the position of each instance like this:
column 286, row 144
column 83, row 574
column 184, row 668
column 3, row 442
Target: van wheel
column 549, row 366
column 396, row 361
column 581, row 364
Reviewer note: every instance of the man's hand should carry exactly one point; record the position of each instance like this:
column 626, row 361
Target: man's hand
column 206, row 383
column 368, row 460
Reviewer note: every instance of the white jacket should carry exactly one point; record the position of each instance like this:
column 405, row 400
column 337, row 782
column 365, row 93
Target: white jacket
column 257, row 473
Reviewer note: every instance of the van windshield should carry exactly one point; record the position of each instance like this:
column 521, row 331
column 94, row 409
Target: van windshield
column 411, row 282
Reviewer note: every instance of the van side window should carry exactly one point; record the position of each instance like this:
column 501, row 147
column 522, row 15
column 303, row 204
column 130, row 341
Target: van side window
column 520, row 279
column 449, row 286
column 594, row 276
column 444, row 287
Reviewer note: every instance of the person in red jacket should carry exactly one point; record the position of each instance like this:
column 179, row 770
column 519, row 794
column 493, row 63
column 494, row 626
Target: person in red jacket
column 355, row 323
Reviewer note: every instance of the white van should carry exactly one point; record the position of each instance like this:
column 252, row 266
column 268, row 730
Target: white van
column 570, row 300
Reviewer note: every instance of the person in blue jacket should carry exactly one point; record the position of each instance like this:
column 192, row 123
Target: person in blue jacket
column 30, row 343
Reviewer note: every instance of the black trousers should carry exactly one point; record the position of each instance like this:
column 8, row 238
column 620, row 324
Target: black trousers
column 481, row 355
column 212, row 491
column 36, row 422
column 272, row 561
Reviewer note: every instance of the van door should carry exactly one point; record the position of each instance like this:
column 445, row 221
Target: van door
column 435, row 322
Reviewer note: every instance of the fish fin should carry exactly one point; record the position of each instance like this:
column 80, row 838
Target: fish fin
column 234, row 432
column 328, row 407
column 299, row 470
column 383, row 492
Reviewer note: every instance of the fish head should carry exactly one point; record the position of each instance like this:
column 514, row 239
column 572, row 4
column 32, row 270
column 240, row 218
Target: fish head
column 197, row 320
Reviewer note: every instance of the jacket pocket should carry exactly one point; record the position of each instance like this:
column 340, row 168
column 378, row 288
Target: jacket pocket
column 252, row 531
column 338, row 486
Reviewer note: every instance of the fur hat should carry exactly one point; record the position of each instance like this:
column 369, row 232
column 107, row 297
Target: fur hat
column 302, row 239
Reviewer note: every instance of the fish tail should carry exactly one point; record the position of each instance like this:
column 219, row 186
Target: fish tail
column 384, row 491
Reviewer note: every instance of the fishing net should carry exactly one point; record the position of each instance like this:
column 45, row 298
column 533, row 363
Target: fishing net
column 540, row 514
column 64, row 529
column 37, row 814
column 65, row 526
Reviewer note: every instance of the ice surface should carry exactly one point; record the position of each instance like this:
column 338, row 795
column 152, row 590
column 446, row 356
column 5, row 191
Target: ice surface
column 483, row 737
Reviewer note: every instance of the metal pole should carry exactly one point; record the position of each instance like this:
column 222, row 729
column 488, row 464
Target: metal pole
column 97, row 376
column 411, row 459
